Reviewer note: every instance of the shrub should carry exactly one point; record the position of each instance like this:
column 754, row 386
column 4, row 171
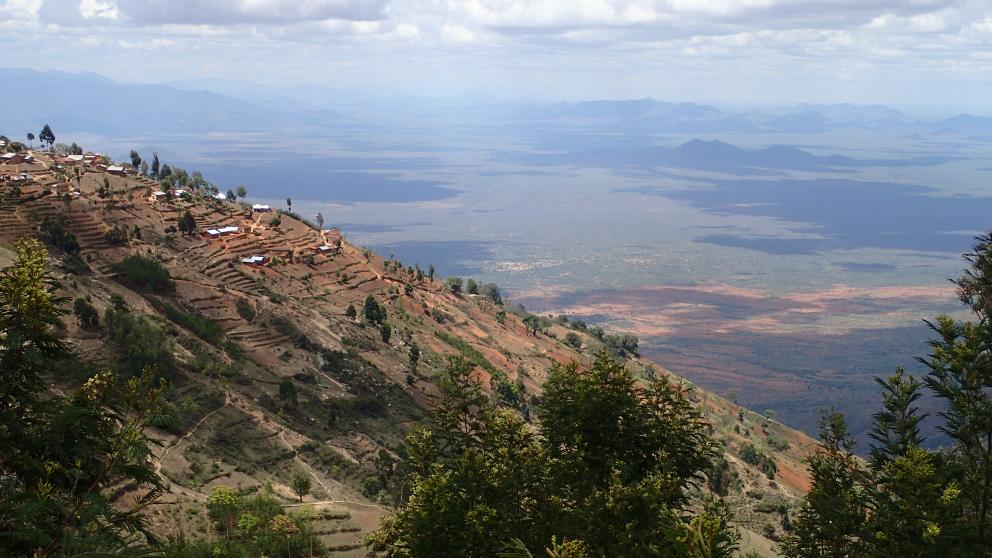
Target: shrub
column 202, row 326
column 145, row 273
column 245, row 309
column 573, row 340
column 57, row 235
column 86, row 313
column 373, row 311
column 116, row 236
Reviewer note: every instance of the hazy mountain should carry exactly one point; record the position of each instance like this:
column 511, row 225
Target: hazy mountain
column 719, row 156
column 652, row 115
column 967, row 124
column 849, row 115
column 93, row 103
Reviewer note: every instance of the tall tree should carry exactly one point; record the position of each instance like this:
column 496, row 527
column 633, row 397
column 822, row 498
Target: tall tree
column 155, row 165
column 30, row 137
column 241, row 192
column 135, row 160
column 47, row 136
column 187, row 223
column 301, row 484
column 897, row 426
column 831, row 522
column 320, row 221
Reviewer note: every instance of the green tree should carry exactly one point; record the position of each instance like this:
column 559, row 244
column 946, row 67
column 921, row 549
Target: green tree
column 350, row 312
column 610, row 469
column 414, row 357
column 287, row 393
column 30, row 137
column 373, row 311
column 454, row 284
column 573, row 340
column 320, row 220
column 532, row 323
column 61, row 455
column 289, row 204
column 47, row 136
column 155, row 165
column 187, row 224
column 301, row 484
column 831, row 522
column 472, row 287
column 386, row 332
column 135, row 160
column 430, row 272
column 491, row 292
column 86, row 313
column 223, row 506
column 241, row 192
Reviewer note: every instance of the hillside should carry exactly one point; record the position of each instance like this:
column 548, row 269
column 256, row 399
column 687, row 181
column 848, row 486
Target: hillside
column 272, row 376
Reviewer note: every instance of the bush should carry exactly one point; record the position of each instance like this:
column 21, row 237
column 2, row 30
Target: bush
column 454, row 284
column 116, row 236
column 245, row 309
column 141, row 343
column 373, row 311
column 573, row 340
column 202, row 326
column 57, row 235
column 145, row 273
column 86, row 313
column 752, row 456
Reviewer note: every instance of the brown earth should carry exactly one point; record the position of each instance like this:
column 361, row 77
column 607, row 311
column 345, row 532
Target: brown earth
column 353, row 412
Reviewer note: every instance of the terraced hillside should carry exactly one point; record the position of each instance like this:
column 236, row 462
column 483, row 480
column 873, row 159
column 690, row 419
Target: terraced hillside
column 272, row 375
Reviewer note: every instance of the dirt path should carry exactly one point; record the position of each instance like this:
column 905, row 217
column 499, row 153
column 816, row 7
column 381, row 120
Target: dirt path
column 184, row 437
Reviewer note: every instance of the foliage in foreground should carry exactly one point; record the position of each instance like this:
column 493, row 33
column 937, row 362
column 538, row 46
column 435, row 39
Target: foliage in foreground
column 60, row 455
column 909, row 501
column 251, row 527
column 608, row 473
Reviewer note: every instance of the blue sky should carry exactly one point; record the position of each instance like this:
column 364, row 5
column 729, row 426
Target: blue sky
column 909, row 52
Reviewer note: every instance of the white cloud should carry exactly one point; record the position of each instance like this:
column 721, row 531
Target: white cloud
column 535, row 43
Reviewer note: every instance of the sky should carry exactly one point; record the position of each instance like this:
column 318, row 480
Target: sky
column 897, row 52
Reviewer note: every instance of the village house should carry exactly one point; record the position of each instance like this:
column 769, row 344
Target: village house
column 74, row 160
column 221, row 232
column 261, row 208
column 16, row 158
column 116, row 170
column 255, row 260
column 157, row 195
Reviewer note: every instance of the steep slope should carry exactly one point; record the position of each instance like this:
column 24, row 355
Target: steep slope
column 271, row 375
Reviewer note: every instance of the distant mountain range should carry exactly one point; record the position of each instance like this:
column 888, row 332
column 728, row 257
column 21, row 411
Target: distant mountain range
column 87, row 102
column 92, row 103
column 719, row 156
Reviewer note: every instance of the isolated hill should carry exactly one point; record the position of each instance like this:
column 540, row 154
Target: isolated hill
column 92, row 103
column 272, row 375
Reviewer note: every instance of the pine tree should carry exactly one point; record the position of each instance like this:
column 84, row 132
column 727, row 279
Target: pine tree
column 831, row 523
